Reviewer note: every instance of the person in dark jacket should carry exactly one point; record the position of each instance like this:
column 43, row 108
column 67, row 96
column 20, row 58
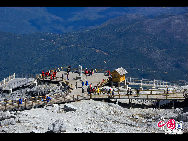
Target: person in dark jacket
column 88, row 90
column 130, row 92
column 82, row 90
column 127, row 91
column 112, row 92
column 137, row 92
column 68, row 69
column 67, row 76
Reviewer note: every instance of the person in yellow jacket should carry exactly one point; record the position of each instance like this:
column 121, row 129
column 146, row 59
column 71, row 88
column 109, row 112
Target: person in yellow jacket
column 98, row 90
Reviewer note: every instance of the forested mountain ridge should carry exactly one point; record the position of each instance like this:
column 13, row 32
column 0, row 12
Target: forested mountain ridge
column 148, row 47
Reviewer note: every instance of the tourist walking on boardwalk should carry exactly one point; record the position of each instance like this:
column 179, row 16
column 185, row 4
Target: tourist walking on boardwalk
column 94, row 90
column 88, row 90
column 90, row 86
column 130, row 92
column 98, row 90
column 91, row 90
column 137, row 92
column 48, row 99
column 86, row 83
column 86, row 72
column 127, row 91
column 76, row 85
column 67, row 76
column 113, row 92
column 82, row 83
column 20, row 101
column 109, row 91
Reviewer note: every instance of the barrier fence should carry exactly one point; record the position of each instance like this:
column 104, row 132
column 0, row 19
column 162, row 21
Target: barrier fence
column 30, row 102
column 59, row 98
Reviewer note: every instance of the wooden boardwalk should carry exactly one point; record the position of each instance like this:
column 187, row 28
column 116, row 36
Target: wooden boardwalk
column 76, row 94
column 61, row 99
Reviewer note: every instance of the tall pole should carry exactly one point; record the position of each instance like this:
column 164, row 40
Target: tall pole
column 141, row 85
column 14, row 75
column 154, row 83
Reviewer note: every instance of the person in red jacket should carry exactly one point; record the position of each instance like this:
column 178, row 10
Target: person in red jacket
column 51, row 77
column 53, row 74
column 46, row 74
column 42, row 74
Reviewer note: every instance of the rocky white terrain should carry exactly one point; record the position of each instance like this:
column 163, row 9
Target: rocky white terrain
column 88, row 116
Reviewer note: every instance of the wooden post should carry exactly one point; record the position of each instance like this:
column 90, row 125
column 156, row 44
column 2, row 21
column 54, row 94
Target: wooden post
column 18, row 105
column 119, row 96
column 77, row 97
column 12, row 103
column 166, row 95
column 32, row 103
column 5, row 105
column 90, row 96
column 130, row 103
column 25, row 103
column 147, row 96
column 118, row 86
column 38, row 101
column 73, row 97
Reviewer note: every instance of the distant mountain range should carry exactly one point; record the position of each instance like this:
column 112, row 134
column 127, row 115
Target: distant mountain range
column 148, row 45
column 68, row 19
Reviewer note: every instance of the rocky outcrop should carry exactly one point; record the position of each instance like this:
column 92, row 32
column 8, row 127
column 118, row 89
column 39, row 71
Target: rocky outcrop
column 57, row 127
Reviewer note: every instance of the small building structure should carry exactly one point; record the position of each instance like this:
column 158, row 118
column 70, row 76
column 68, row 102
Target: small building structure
column 118, row 75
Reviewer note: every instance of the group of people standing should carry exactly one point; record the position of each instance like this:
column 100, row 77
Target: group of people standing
column 90, row 89
column 95, row 89
column 44, row 98
column 88, row 72
column 50, row 73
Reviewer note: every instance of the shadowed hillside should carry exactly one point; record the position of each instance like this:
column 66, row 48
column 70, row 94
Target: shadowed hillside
column 149, row 47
